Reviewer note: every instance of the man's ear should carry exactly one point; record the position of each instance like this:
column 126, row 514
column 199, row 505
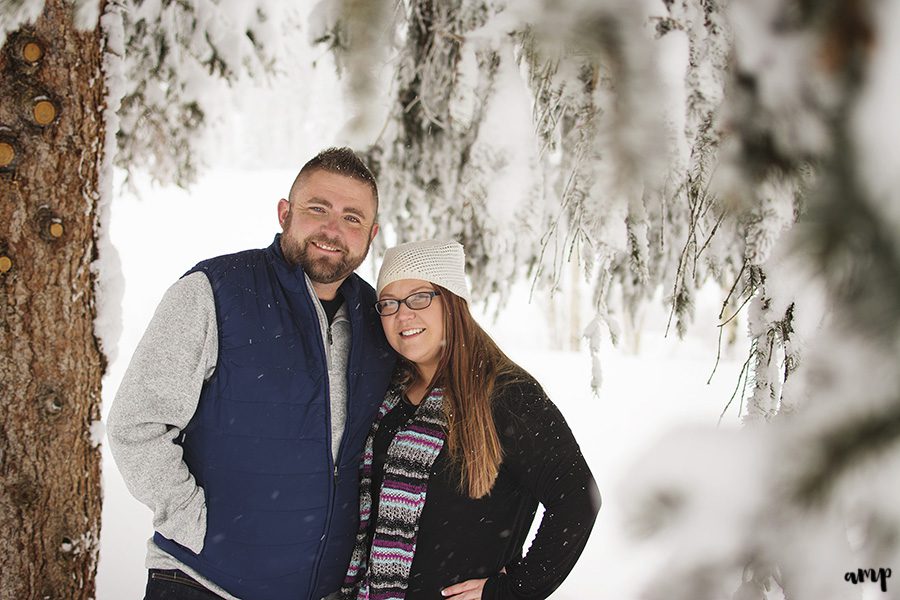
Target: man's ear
column 374, row 232
column 284, row 207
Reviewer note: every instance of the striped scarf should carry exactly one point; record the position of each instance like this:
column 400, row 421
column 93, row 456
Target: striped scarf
column 382, row 572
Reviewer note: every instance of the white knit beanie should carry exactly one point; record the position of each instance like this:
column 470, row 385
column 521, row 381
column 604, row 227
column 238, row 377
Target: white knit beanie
column 435, row 261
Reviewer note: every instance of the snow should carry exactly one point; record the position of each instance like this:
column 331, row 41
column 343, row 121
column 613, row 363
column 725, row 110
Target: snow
column 18, row 14
column 97, row 432
column 86, row 14
column 507, row 125
column 875, row 120
column 167, row 230
column 783, row 62
column 107, row 269
column 679, row 488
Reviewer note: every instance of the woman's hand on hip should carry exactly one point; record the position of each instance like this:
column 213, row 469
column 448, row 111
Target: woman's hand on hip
column 464, row 590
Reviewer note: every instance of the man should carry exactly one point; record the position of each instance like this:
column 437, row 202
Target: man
column 242, row 416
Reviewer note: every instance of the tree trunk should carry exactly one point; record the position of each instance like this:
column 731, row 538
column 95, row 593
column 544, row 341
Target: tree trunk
column 52, row 131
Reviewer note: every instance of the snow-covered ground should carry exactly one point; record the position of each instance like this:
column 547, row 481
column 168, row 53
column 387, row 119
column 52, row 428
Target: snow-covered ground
column 167, row 231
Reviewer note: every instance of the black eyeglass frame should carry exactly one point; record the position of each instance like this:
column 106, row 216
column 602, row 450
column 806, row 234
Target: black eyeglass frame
column 396, row 303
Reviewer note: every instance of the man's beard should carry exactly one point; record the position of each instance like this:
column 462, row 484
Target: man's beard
column 321, row 269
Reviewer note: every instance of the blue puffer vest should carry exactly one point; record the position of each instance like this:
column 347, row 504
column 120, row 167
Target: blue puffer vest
column 281, row 518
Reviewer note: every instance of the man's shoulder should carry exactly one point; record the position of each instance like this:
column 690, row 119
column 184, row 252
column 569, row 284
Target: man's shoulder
column 361, row 288
column 229, row 263
column 360, row 298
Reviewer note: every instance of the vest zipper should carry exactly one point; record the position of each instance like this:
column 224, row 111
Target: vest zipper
column 326, row 350
column 331, row 343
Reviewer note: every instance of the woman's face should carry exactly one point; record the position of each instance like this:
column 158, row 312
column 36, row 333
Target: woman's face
column 417, row 335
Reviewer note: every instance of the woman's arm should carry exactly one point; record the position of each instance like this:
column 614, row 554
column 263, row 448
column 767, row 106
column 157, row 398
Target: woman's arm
column 541, row 451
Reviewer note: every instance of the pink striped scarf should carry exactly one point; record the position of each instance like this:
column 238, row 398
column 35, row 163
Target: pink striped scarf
column 380, row 570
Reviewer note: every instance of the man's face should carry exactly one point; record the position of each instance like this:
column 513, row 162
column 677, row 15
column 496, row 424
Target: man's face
column 327, row 225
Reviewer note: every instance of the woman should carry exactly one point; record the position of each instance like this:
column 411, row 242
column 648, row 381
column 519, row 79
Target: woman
column 463, row 448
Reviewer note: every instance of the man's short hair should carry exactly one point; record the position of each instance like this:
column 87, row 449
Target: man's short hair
column 341, row 161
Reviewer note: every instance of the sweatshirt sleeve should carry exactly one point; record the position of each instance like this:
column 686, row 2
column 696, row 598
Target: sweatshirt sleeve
column 542, row 452
column 156, row 400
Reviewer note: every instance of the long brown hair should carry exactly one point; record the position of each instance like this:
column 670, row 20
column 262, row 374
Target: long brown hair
column 467, row 371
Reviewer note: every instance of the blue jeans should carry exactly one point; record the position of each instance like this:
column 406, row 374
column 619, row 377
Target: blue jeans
column 171, row 584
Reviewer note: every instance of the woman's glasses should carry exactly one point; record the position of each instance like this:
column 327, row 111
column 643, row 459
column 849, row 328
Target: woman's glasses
column 416, row 301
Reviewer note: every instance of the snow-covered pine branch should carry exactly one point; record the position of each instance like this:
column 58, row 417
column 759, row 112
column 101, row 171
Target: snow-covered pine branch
column 811, row 142
column 539, row 137
column 179, row 59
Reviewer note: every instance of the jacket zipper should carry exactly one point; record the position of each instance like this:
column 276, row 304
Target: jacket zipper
column 314, row 582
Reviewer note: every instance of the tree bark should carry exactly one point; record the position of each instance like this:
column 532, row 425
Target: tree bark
column 52, row 94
